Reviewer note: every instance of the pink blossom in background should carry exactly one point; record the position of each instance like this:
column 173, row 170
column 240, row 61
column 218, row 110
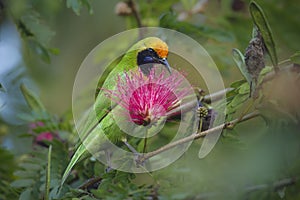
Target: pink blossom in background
column 45, row 136
column 35, row 125
column 41, row 135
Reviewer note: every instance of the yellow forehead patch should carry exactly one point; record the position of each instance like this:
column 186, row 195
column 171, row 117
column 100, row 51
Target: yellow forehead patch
column 160, row 47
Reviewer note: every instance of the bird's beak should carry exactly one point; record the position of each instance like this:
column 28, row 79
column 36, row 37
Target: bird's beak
column 166, row 64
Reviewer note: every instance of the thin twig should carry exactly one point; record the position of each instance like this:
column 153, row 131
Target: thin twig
column 214, row 97
column 272, row 74
column 137, row 17
column 284, row 183
column 135, row 12
column 90, row 182
column 181, row 109
column 145, row 142
column 276, row 186
column 197, row 136
column 210, row 98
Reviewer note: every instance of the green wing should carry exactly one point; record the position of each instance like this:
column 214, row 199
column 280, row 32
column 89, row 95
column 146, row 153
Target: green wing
column 105, row 75
column 103, row 104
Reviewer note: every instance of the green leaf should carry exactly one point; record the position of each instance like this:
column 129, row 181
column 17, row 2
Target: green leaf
column 263, row 26
column 54, row 51
column 30, row 165
column 7, row 169
column 36, row 34
column 244, row 89
column 295, row 58
column 39, row 49
column 236, row 102
column 25, row 174
column 32, row 100
column 38, row 166
column 8, row 192
column 263, row 73
column 239, row 99
column 239, row 59
column 237, row 84
column 27, row 194
column 22, row 183
column 77, row 5
column 87, row 4
column 33, row 25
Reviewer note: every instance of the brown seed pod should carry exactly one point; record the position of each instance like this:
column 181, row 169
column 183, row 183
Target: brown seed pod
column 254, row 58
column 123, row 9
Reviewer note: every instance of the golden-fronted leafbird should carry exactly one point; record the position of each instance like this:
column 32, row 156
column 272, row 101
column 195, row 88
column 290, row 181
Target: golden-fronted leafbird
column 142, row 56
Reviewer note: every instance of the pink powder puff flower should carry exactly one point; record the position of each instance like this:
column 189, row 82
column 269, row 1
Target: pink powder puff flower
column 45, row 136
column 35, row 125
column 147, row 99
column 41, row 133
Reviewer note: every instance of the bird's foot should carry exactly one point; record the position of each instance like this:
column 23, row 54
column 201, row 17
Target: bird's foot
column 140, row 159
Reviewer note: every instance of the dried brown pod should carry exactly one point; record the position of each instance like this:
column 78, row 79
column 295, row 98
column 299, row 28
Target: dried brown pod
column 254, row 58
column 123, row 9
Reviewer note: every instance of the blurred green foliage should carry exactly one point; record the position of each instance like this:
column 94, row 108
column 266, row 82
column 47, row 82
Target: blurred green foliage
column 247, row 161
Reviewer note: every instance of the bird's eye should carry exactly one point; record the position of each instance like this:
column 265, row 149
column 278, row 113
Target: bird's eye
column 150, row 49
column 148, row 59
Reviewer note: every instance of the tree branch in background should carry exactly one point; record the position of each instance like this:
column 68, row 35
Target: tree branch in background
column 135, row 13
column 129, row 8
column 208, row 98
column 276, row 186
column 91, row 182
column 196, row 136
column 272, row 74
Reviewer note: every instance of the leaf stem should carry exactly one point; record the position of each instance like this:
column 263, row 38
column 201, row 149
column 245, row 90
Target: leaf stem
column 145, row 142
column 135, row 12
column 200, row 124
column 284, row 61
column 47, row 186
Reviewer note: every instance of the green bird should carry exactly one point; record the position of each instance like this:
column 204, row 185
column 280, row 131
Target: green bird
column 143, row 55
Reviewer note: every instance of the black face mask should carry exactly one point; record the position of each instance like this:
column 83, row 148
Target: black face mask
column 147, row 58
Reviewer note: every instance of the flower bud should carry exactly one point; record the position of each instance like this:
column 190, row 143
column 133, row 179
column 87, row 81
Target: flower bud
column 122, row 9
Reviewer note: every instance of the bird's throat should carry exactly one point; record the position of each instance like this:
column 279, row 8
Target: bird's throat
column 146, row 68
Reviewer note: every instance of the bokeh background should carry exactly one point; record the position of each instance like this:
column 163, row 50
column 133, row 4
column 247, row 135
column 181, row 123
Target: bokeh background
column 43, row 43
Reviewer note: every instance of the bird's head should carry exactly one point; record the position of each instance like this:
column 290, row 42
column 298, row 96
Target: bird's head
column 152, row 50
